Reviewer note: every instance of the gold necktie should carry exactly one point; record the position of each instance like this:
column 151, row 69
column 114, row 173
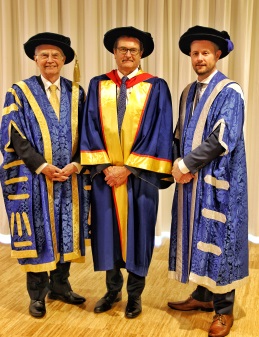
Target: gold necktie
column 54, row 99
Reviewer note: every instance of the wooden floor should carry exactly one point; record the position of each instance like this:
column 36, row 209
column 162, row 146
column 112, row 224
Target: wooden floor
column 156, row 320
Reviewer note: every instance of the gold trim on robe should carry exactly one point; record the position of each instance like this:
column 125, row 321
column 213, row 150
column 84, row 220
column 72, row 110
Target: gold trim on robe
column 74, row 117
column 8, row 147
column 16, row 180
column 119, row 146
column 74, row 183
column 18, row 196
column 27, row 223
column 94, row 157
column 47, row 144
column 13, row 163
column 22, row 244
column 10, row 108
column 17, row 99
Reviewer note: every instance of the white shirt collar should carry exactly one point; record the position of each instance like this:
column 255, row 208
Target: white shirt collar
column 134, row 73
column 47, row 83
column 207, row 80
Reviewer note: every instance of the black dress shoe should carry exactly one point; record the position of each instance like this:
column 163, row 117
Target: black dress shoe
column 133, row 308
column 69, row 297
column 106, row 302
column 37, row 308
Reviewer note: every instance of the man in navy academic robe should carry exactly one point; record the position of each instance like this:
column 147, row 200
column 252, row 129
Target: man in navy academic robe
column 130, row 159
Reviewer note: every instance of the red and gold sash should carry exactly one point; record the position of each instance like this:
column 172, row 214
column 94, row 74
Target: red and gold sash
column 119, row 150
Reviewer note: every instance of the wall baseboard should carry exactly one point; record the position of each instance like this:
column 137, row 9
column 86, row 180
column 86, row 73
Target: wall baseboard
column 158, row 239
column 252, row 238
column 6, row 238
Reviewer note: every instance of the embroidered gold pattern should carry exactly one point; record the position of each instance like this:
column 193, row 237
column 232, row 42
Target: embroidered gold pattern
column 13, row 92
column 10, row 108
column 47, row 154
column 97, row 157
column 22, row 244
column 13, row 124
column 12, row 223
column 75, row 217
column 117, row 149
column 13, row 163
column 26, row 223
column 19, row 224
column 7, row 147
column 20, row 254
column 74, row 116
column 74, row 184
column 16, row 180
column 148, row 163
column 18, row 196
column 36, row 268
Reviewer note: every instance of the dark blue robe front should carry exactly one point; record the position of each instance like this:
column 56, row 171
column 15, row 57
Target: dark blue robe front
column 123, row 219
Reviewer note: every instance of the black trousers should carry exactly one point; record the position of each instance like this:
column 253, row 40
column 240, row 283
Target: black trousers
column 223, row 303
column 38, row 284
column 135, row 283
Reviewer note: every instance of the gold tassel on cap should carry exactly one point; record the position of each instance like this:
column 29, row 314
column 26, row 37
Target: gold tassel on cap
column 76, row 70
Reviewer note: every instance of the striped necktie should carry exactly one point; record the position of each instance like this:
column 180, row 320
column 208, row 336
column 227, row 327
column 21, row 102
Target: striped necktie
column 121, row 106
column 54, row 99
column 199, row 87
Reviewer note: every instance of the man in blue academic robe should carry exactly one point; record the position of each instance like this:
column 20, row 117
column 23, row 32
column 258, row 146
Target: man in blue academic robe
column 129, row 156
column 46, row 197
column 209, row 235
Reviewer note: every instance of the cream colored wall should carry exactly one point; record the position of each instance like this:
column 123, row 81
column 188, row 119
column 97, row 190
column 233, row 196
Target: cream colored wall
column 86, row 21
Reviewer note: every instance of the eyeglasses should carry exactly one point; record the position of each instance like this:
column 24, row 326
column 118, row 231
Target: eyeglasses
column 133, row 51
column 45, row 56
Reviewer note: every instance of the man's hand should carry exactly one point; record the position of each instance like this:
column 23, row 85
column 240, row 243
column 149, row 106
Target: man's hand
column 69, row 169
column 52, row 172
column 56, row 174
column 179, row 176
column 116, row 175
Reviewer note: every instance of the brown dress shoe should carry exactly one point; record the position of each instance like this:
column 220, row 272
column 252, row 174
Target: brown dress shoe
column 191, row 304
column 221, row 325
